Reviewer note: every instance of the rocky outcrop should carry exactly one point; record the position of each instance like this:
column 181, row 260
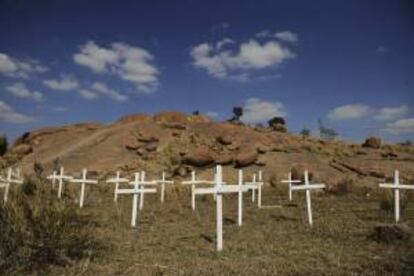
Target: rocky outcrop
column 372, row 142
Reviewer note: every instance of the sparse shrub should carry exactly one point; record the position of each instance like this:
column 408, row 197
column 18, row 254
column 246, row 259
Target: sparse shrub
column 39, row 231
column 277, row 124
column 372, row 142
column 341, row 187
column 387, row 201
column 305, row 133
column 3, row 145
column 237, row 112
column 325, row 132
column 196, row 112
column 38, row 169
column 390, row 233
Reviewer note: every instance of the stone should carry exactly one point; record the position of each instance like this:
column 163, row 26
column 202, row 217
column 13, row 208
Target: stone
column 198, row 158
column 152, row 146
column 261, row 161
column 224, row 140
column 372, row 142
column 131, row 143
column 245, row 158
column 224, row 159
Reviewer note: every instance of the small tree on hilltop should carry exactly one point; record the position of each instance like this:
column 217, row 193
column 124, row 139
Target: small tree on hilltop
column 3, row 145
column 237, row 112
column 326, row 133
column 196, row 112
column 277, row 124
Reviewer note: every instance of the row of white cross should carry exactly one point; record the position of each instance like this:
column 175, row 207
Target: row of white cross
column 219, row 188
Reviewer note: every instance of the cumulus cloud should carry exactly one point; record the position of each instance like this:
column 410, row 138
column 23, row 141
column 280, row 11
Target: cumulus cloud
column 132, row 64
column 65, row 83
column 236, row 64
column 287, row 36
column 257, row 110
column 391, row 113
column 88, row 95
column 101, row 88
column 20, row 90
column 350, row 111
column 9, row 115
column 401, row 126
column 13, row 67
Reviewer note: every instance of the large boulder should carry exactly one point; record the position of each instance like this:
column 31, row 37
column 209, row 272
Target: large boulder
column 131, row 142
column 198, row 158
column 246, row 158
column 372, row 142
column 224, row 140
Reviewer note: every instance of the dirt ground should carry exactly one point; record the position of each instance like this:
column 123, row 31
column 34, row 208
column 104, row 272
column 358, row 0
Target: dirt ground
column 171, row 239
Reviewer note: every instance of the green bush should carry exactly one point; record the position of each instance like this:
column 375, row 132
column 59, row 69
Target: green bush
column 39, row 231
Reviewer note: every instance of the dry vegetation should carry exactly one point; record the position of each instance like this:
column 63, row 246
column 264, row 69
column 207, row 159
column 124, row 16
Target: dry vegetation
column 56, row 237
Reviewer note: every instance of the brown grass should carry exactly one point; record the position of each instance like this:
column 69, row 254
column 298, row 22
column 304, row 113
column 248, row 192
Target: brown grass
column 171, row 239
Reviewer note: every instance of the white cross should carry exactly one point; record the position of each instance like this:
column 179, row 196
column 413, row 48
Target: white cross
column 290, row 181
column 256, row 185
column 61, row 177
column 83, row 181
column 307, row 187
column 396, row 186
column 219, row 189
column 142, row 183
column 135, row 191
column 5, row 183
column 193, row 182
column 117, row 180
column 53, row 177
column 163, row 181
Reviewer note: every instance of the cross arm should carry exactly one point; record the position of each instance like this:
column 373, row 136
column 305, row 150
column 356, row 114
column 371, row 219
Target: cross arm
column 87, row 181
column 136, row 191
column 291, row 181
column 400, row 186
column 117, row 180
column 308, row 187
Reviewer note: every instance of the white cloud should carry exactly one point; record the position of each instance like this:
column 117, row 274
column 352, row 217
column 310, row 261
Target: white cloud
column 350, row 111
column 65, row 83
column 132, row 64
column 224, row 42
column 391, row 113
column 250, row 56
column 17, row 68
column 88, row 95
column 286, row 36
column 400, row 126
column 20, row 90
column 103, row 89
column 9, row 115
column 256, row 110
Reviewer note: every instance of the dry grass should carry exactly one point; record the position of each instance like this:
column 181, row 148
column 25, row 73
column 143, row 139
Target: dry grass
column 171, row 239
column 39, row 231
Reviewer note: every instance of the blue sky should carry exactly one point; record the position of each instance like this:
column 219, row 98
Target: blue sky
column 350, row 63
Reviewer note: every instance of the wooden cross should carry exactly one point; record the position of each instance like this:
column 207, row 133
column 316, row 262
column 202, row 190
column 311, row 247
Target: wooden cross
column 83, row 181
column 53, row 177
column 5, row 183
column 256, row 185
column 308, row 187
column 163, row 181
column 219, row 189
column 290, row 181
column 135, row 191
column 193, row 182
column 117, row 180
column 61, row 177
column 143, row 183
column 396, row 186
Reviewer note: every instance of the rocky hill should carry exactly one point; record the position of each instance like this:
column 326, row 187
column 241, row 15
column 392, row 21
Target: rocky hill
column 178, row 143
